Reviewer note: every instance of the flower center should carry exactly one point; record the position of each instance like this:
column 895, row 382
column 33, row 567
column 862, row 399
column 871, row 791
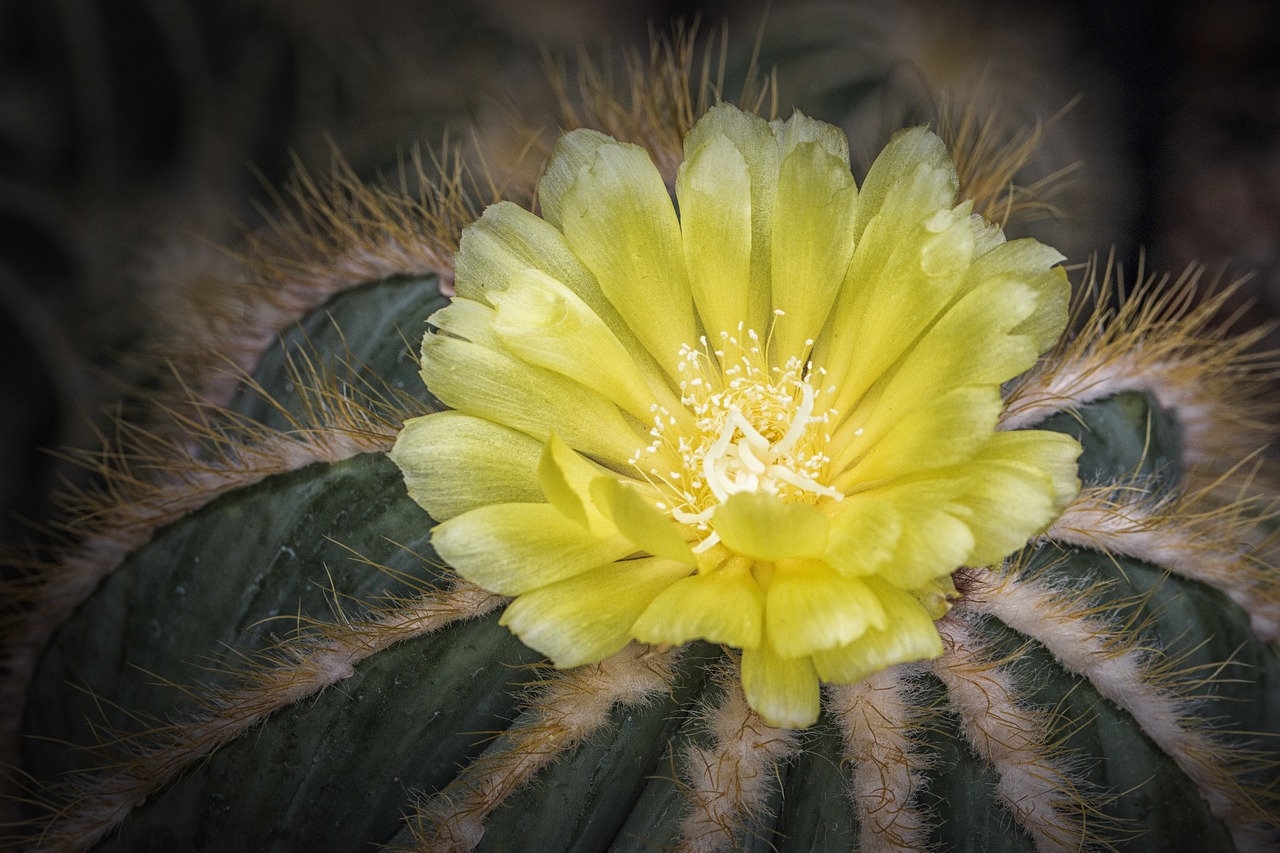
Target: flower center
column 759, row 428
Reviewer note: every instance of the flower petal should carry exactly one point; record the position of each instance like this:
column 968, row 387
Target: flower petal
column 1022, row 481
column 910, row 179
column 971, row 344
column 714, row 190
column 508, row 240
column 469, row 320
column 586, row 618
column 812, row 244
column 573, row 152
column 513, row 548
column 619, row 221
column 640, row 521
column 943, row 431
column 903, row 274
column 810, row 607
column 755, row 141
column 721, row 606
column 936, row 595
column 565, row 478
column 765, row 527
column 938, row 544
column 499, row 387
column 911, row 635
column 800, row 129
column 545, row 323
column 453, row 463
column 912, row 250
column 938, row 540
column 864, row 535
column 934, row 537
column 784, row 691
column 1035, row 265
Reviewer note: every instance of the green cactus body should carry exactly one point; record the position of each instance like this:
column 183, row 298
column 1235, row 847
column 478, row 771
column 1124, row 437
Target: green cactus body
column 250, row 641
column 339, row 689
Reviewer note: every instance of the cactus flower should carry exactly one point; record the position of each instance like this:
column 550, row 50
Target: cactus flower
column 763, row 414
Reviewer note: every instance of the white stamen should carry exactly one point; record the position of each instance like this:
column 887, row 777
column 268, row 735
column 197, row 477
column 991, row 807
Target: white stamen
column 753, row 431
column 707, row 544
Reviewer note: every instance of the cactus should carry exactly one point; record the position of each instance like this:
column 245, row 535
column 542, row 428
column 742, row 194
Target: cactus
column 252, row 642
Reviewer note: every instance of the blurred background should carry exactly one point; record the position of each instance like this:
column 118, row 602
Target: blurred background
column 139, row 136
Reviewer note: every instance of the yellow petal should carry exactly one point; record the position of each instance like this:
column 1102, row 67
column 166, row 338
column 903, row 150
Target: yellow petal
column 499, row 387
column 810, row 607
column 1034, row 264
column 812, row 244
column 755, row 141
column 513, row 548
column 938, row 543
column 936, row 596
column 1020, row 484
column 911, row 635
column 453, row 462
column 936, row 540
column 573, row 152
column 639, row 521
column 910, row 179
column 620, row 222
column 800, row 130
column 469, row 320
column 545, row 323
column 942, row 431
column 912, row 250
column 721, row 606
column 586, row 618
column 507, row 241
column 565, row 478
column 864, row 535
column 971, row 344
column 765, row 527
column 903, row 274
column 714, row 190
column 784, row 691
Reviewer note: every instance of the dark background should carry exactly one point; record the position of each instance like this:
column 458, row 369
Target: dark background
column 138, row 135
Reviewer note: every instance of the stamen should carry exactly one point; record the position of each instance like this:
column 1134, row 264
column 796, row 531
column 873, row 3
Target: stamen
column 707, row 544
column 799, row 423
column 759, row 427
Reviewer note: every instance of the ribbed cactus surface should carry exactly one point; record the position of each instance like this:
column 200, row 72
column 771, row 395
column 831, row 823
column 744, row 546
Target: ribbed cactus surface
column 246, row 638
column 223, row 629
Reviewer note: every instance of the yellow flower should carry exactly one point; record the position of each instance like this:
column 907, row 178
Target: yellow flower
column 763, row 416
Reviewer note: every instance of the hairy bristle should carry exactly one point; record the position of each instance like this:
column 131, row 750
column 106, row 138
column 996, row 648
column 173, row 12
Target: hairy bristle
column 1035, row 782
column 328, row 233
column 661, row 96
column 1122, row 667
column 560, row 712
column 86, row 807
column 325, row 235
column 729, row 782
column 990, row 154
column 1168, row 338
column 876, row 717
column 144, row 479
column 1191, row 536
